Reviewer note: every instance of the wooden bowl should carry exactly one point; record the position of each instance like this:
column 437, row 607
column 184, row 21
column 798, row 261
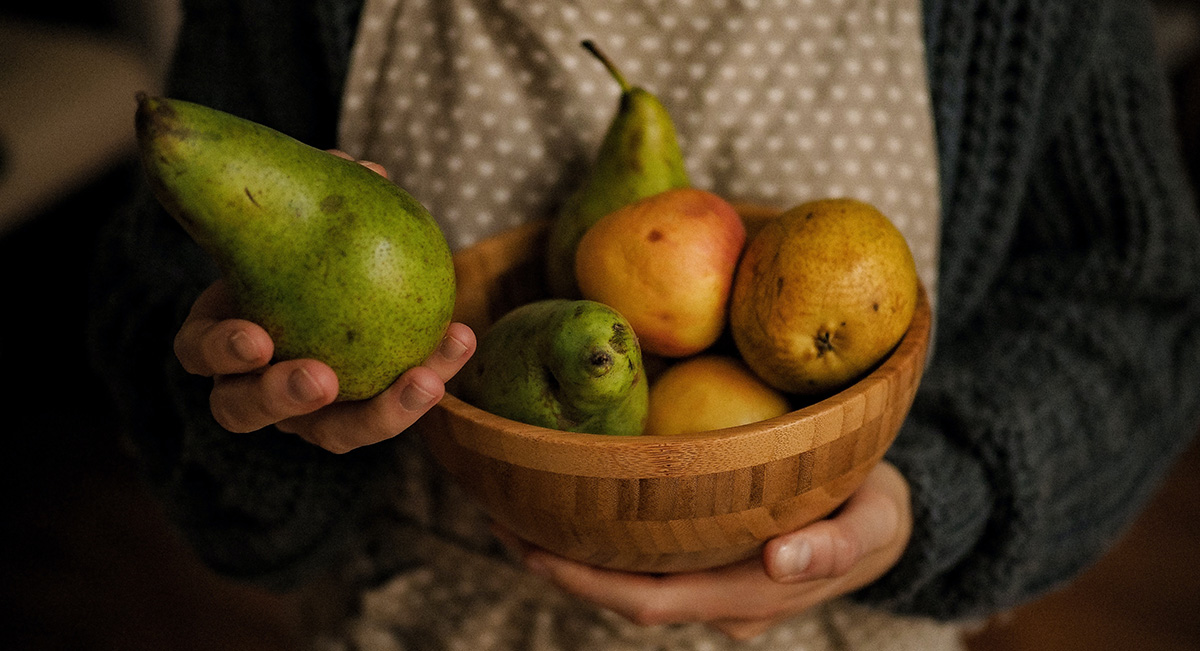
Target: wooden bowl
column 657, row 503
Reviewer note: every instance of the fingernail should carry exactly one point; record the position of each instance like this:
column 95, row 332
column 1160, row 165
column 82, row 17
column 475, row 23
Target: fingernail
column 414, row 398
column 242, row 347
column 792, row 558
column 303, row 387
column 451, row 349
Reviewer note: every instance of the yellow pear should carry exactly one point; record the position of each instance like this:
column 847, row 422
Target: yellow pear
column 823, row 292
column 708, row 392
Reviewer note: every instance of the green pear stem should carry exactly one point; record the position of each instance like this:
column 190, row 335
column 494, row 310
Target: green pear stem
column 612, row 68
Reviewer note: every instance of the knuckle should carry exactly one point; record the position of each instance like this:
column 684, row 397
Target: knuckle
column 845, row 554
column 306, row 434
column 386, row 418
column 376, row 434
column 328, row 437
column 265, row 410
column 225, row 415
column 289, row 426
column 243, row 405
column 182, row 347
column 208, row 357
column 335, row 445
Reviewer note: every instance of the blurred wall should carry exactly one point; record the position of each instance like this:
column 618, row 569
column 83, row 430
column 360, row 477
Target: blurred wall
column 1179, row 43
column 69, row 71
column 68, row 75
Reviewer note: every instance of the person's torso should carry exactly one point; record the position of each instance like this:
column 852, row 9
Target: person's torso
column 489, row 112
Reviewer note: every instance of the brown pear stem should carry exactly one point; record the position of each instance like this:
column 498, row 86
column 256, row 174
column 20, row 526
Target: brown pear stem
column 612, row 68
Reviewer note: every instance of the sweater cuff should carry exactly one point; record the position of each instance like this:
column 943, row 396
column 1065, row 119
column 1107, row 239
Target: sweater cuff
column 951, row 504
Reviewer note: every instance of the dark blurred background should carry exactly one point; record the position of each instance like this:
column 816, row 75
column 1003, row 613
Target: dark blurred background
column 89, row 561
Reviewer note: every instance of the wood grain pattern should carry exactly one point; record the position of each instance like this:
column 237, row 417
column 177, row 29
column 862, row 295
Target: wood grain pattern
column 652, row 503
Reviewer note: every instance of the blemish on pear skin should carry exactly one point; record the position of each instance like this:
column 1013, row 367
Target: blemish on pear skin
column 654, row 235
column 617, row 340
column 251, row 197
column 332, row 203
column 156, row 119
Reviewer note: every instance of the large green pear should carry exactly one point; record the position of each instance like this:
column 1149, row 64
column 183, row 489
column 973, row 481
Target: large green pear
column 638, row 157
column 571, row 365
column 336, row 262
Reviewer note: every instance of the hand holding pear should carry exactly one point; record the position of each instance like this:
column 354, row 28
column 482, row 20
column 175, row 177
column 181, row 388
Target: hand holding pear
column 333, row 260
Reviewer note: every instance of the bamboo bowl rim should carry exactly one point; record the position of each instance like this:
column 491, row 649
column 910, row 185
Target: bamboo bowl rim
column 656, row 456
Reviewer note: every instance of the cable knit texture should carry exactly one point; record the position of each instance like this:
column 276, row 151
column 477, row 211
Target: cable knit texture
column 1068, row 353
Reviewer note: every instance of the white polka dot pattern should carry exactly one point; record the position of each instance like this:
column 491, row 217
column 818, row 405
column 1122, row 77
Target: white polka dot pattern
column 488, row 111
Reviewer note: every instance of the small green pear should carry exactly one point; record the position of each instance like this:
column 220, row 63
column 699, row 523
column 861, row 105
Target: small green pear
column 571, row 365
column 638, row 157
column 333, row 260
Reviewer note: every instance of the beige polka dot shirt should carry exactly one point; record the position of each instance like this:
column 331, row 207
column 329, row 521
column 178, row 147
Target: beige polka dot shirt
column 488, row 111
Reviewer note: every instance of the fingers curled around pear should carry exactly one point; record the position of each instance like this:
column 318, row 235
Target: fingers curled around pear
column 333, row 260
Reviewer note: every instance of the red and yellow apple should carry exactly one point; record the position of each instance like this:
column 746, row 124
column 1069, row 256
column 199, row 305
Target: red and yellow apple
column 666, row 263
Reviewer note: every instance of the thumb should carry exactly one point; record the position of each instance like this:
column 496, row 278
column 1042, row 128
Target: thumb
column 870, row 520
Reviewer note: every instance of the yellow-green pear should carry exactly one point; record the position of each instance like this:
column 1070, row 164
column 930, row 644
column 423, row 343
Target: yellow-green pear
column 638, row 157
column 571, row 365
column 336, row 262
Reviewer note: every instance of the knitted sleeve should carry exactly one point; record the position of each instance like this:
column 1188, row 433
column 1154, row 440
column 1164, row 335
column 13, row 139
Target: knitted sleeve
column 1067, row 371
column 262, row 506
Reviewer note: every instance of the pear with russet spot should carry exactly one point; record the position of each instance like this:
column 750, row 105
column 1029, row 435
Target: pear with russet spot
column 570, row 365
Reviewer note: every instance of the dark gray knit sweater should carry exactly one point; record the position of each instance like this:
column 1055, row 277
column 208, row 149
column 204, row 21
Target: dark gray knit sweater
column 1067, row 374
